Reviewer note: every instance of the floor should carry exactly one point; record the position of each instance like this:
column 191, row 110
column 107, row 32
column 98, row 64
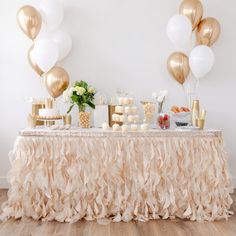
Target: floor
column 152, row 228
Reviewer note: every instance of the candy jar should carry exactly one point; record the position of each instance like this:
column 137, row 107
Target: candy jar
column 149, row 111
column 163, row 121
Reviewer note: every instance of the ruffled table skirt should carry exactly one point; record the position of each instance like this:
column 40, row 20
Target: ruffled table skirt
column 74, row 174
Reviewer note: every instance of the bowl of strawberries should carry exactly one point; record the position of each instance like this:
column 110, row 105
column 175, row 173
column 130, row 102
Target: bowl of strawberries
column 163, row 121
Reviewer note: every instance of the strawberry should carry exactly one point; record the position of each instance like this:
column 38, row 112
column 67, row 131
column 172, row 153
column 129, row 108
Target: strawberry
column 167, row 122
column 160, row 118
column 167, row 126
column 166, row 117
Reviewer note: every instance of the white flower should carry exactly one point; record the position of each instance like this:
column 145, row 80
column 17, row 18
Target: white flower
column 154, row 95
column 70, row 90
column 162, row 95
column 91, row 90
column 67, row 95
column 79, row 90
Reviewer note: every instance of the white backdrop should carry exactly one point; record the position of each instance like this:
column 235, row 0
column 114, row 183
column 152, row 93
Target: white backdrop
column 117, row 44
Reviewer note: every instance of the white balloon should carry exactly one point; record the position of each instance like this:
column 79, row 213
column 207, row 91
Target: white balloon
column 45, row 53
column 52, row 13
column 64, row 43
column 179, row 30
column 201, row 60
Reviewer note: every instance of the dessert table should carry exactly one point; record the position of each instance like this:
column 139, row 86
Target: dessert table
column 68, row 175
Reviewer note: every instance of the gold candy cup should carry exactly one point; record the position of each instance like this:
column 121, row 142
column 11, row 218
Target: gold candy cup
column 200, row 123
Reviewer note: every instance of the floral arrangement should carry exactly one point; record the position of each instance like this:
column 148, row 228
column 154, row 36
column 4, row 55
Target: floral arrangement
column 160, row 98
column 81, row 94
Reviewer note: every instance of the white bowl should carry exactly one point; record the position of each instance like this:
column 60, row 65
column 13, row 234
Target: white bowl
column 180, row 114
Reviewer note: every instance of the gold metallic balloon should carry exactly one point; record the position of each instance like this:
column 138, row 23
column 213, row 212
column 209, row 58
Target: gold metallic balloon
column 208, row 31
column 56, row 81
column 178, row 66
column 33, row 63
column 30, row 21
column 193, row 10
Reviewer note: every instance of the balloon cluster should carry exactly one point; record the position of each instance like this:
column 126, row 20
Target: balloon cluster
column 49, row 46
column 180, row 29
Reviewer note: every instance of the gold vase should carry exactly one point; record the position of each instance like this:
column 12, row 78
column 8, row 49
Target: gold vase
column 195, row 112
column 67, row 119
column 200, row 123
column 84, row 119
column 35, row 111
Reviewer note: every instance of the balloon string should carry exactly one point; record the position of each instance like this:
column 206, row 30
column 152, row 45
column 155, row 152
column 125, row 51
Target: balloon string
column 42, row 84
column 183, row 88
column 197, row 87
column 191, row 42
column 186, row 94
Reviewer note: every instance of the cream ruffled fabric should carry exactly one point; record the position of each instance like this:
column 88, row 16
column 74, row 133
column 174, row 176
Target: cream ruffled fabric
column 70, row 175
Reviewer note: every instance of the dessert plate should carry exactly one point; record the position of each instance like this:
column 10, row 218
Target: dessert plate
column 190, row 128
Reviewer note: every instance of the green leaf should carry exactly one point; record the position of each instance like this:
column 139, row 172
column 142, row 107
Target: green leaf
column 74, row 98
column 92, row 105
column 70, row 108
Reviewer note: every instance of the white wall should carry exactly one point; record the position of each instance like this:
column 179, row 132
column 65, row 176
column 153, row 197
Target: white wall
column 118, row 44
